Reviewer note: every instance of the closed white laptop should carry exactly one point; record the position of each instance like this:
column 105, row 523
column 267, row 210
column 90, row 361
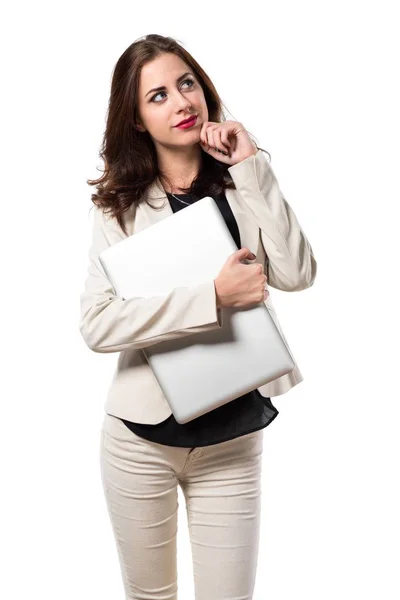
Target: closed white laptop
column 205, row 370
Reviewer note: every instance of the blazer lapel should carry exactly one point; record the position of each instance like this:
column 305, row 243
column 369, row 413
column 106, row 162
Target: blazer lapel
column 156, row 196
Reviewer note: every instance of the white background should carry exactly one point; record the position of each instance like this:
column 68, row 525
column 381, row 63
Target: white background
column 317, row 84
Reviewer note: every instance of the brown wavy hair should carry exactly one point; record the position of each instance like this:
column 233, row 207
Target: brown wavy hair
column 129, row 155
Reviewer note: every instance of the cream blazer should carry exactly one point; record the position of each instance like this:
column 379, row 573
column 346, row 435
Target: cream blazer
column 110, row 323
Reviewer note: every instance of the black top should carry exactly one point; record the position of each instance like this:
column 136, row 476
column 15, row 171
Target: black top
column 245, row 414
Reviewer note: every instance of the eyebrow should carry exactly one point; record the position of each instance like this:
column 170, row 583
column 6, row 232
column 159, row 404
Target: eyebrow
column 162, row 87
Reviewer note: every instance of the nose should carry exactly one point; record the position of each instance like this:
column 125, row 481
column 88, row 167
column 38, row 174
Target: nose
column 182, row 102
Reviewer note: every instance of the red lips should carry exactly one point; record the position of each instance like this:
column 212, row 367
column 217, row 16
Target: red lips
column 186, row 120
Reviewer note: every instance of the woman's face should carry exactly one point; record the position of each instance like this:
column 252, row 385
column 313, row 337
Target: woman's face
column 160, row 111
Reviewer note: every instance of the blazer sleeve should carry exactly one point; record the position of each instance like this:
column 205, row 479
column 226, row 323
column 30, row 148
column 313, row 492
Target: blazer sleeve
column 289, row 256
column 110, row 323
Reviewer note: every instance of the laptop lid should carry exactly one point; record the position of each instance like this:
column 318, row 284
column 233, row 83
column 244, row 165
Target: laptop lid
column 205, row 370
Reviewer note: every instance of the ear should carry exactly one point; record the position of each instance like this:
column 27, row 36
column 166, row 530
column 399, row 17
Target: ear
column 139, row 127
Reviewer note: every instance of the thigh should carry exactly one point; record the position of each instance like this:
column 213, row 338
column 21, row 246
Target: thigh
column 142, row 500
column 223, row 496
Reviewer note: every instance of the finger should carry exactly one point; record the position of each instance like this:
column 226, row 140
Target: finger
column 215, row 136
column 216, row 142
column 209, row 136
column 220, row 145
column 233, row 143
column 225, row 139
column 203, row 136
column 211, row 141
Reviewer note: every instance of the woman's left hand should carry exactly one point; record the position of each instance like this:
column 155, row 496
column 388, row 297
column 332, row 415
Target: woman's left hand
column 228, row 142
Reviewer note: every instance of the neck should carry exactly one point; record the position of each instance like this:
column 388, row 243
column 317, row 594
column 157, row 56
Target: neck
column 178, row 167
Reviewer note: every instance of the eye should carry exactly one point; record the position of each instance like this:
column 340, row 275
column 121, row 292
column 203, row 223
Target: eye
column 189, row 80
column 185, row 81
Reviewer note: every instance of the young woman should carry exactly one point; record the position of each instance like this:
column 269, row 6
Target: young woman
column 155, row 166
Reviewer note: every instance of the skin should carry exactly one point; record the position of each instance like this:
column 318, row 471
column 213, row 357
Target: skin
column 179, row 151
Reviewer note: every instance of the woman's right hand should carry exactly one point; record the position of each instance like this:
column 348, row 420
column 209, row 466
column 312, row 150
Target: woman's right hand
column 239, row 284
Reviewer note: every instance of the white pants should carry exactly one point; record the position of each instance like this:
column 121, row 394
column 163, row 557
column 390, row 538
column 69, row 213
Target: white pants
column 222, row 488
